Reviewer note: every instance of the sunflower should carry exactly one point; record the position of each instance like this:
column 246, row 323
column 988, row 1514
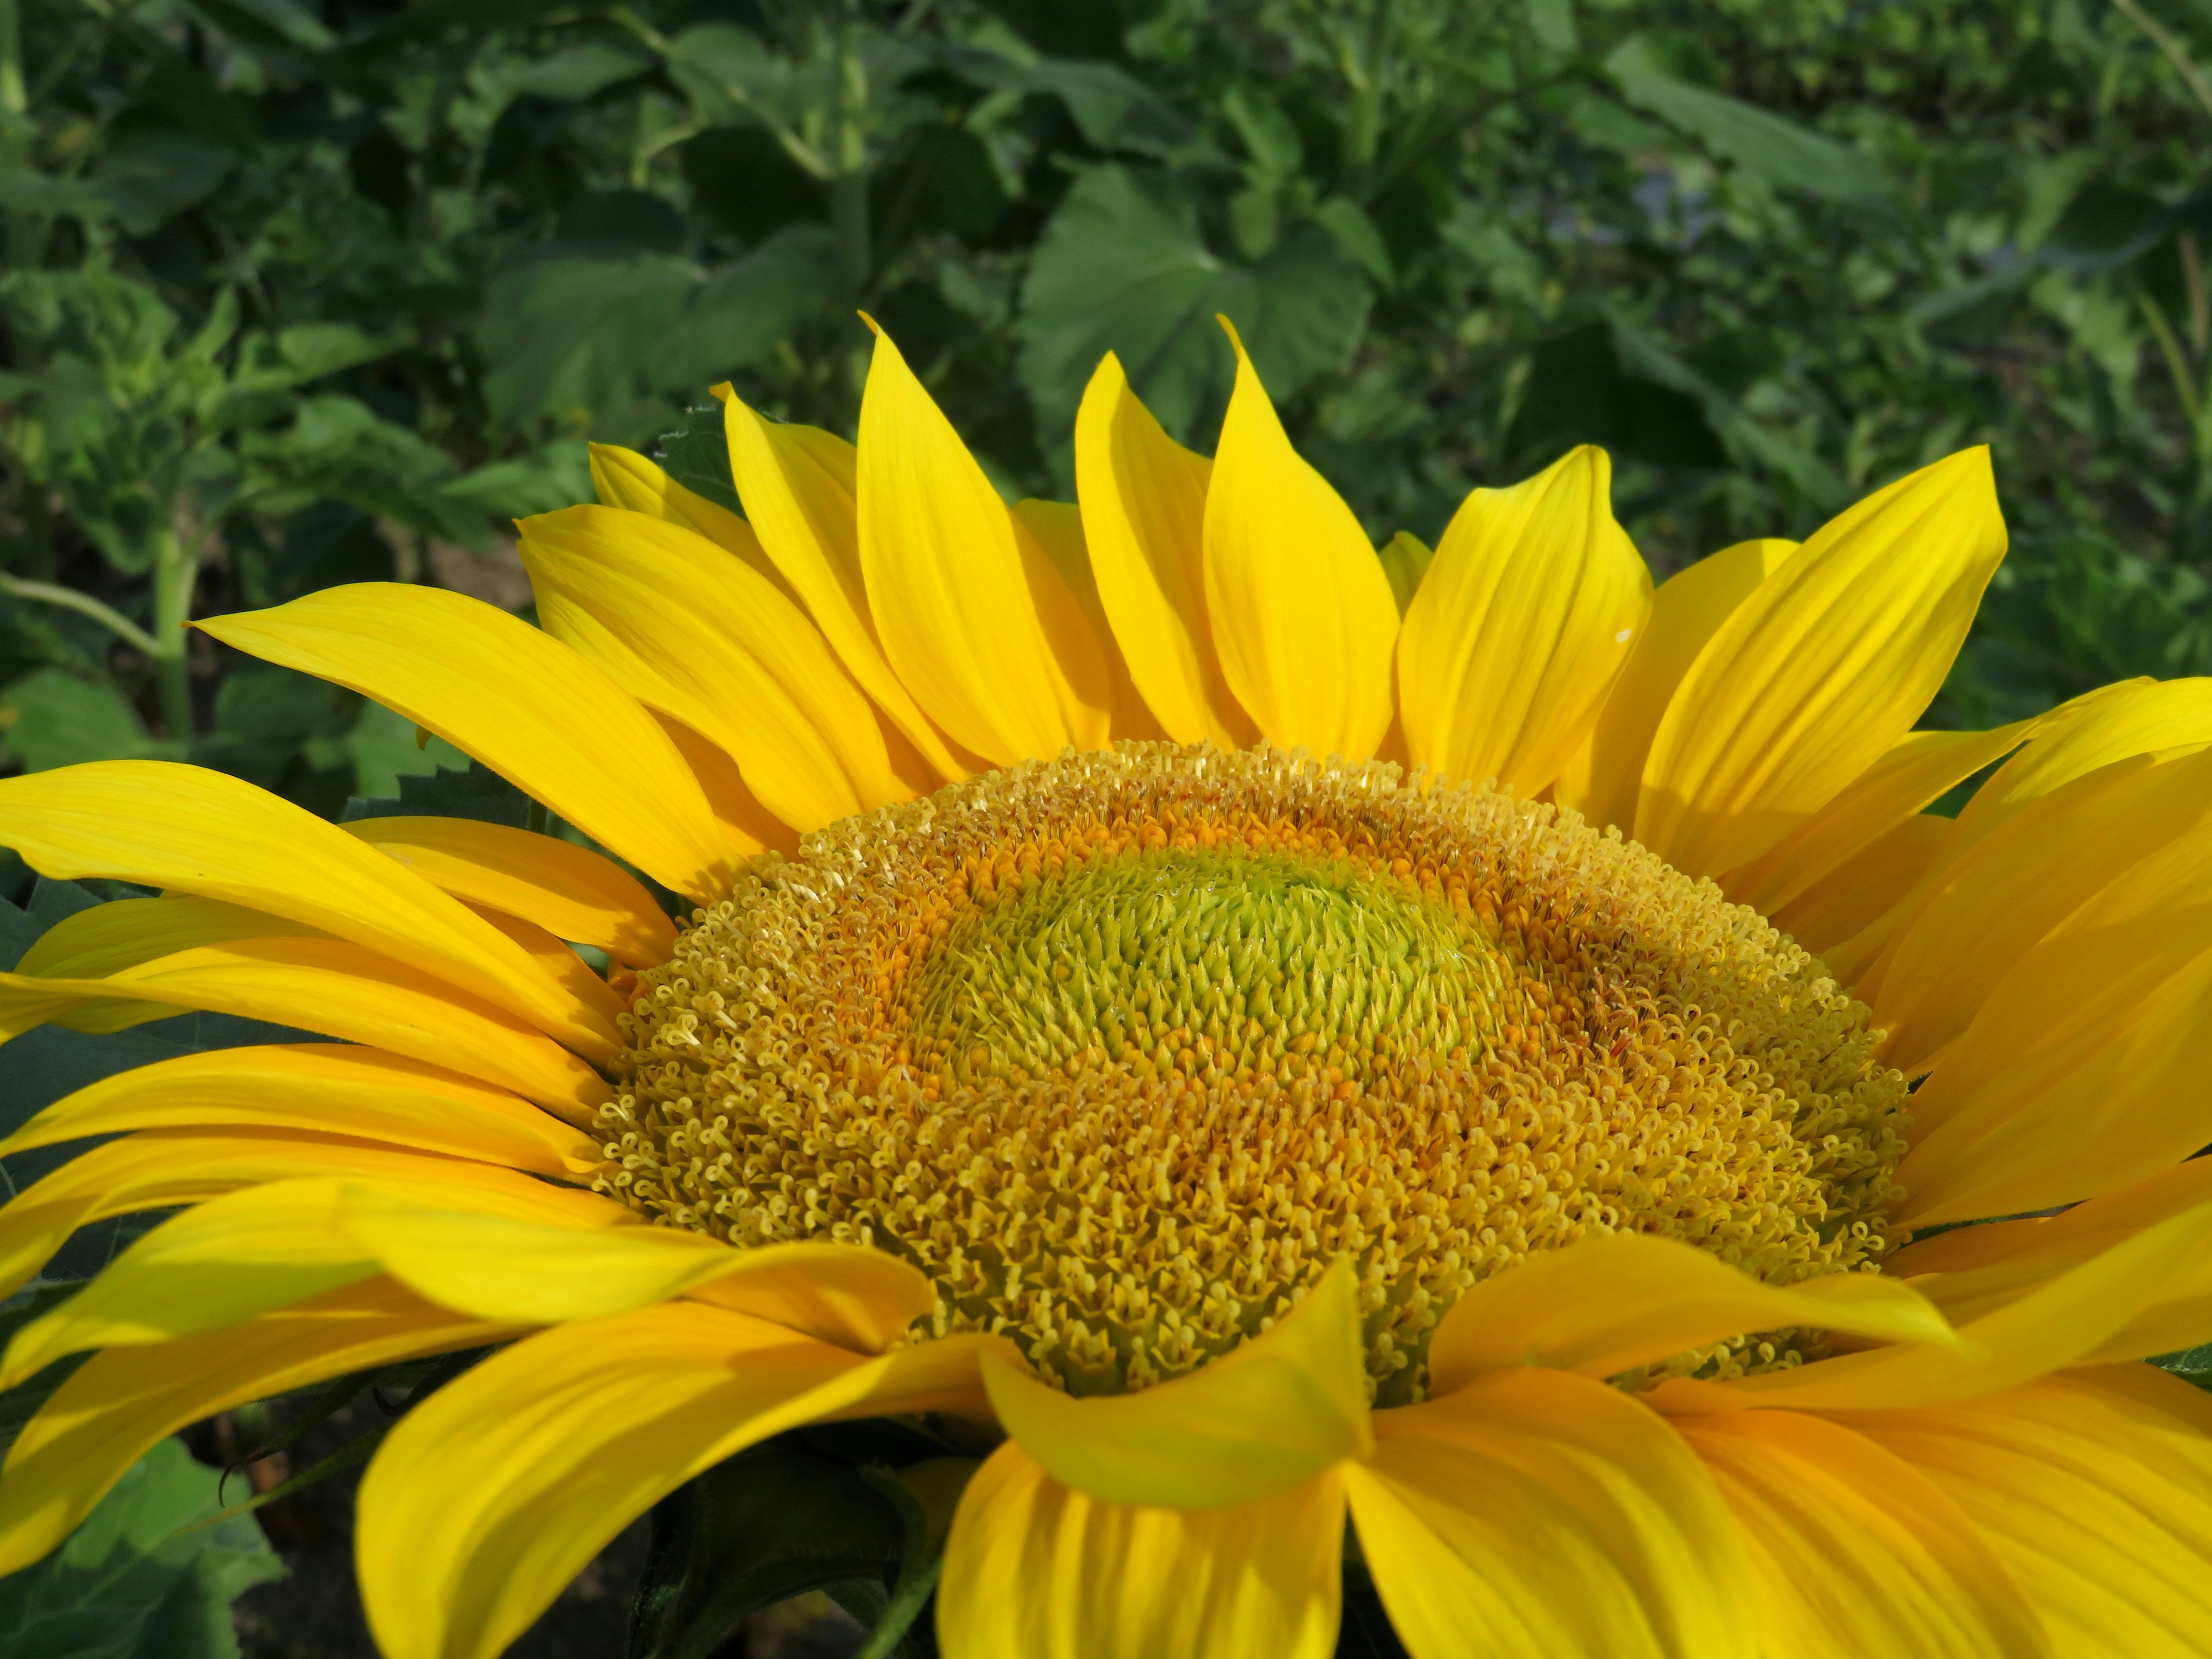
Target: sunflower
column 1460, row 1065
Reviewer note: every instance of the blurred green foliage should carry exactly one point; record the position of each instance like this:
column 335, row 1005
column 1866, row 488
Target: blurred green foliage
column 299, row 294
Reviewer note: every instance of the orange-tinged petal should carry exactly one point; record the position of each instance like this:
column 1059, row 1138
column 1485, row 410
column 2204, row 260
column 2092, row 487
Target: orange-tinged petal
column 247, row 1252
column 729, row 655
column 2095, row 1490
column 319, row 1089
column 1036, row 1569
column 516, row 699
column 1919, row 767
column 163, row 1168
column 1269, row 1416
column 1602, row 780
column 1144, row 516
column 1609, row 1303
column 2060, row 1322
column 116, row 1405
column 1854, row 1551
column 799, row 485
column 329, row 987
column 981, row 628
column 1532, row 1515
column 1822, row 669
column 206, row 832
column 1528, row 614
column 1303, row 616
column 571, row 891
column 488, row 1497
column 624, row 479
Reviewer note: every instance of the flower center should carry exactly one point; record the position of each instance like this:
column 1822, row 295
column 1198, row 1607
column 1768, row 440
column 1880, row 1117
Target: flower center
column 1123, row 1049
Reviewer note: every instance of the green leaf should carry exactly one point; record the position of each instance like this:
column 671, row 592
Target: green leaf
column 1757, row 140
column 696, row 454
column 1552, row 23
column 579, row 71
column 1112, row 109
column 383, row 749
column 474, row 794
column 19, row 1404
column 550, row 477
column 153, row 176
column 26, row 189
column 1123, row 267
column 2190, row 1364
column 128, row 1585
column 52, row 718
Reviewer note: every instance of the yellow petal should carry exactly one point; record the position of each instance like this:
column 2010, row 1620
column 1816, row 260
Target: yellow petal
column 488, row 1497
column 1972, row 1271
column 530, row 1271
column 973, row 621
column 516, row 699
column 1271, row 1414
column 115, row 1406
column 799, row 483
column 571, row 891
column 728, row 655
column 2060, row 1322
column 1055, row 529
column 128, row 932
column 1995, row 903
column 1919, row 767
column 1528, row 614
column 750, row 827
column 1822, row 669
column 624, row 479
column 1602, row 780
column 1036, row 1569
column 2083, row 1066
column 1850, row 915
column 2095, row 1489
column 1538, row 1516
column 161, row 1169
column 322, row 1089
column 1303, row 616
column 1406, row 560
column 337, row 989
column 206, row 832
column 1854, row 1551
column 2113, row 722
column 1608, row 1303
column 1144, row 515
column 247, row 1252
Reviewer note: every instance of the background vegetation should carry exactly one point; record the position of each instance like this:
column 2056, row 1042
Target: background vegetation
column 298, row 292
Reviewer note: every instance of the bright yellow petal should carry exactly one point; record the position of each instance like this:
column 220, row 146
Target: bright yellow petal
column 516, row 699
column 1269, row 1416
column 248, row 1252
column 2113, row 722
column 2095, row 1489
column 622, row 477
column 1918, row 767
column 1036, row 1569
column 799, row 483
column 1144, row 515
column 105, row 938
column 1602, row 780
column 1609, row 1303
column 1825, row 667
column 981, row 627
column 1972, row 1271
column 1406, row 561
column 1994, row 904
column 571, row 891
column 1530, row 610
column 1537, row 1516
column 1847, row 915
column 488, row 1497
column 164, row 1168
column 1055, row 529
column 2061, row 1322
column 337, row 989
column 1854, row 1551
column 2084, row 1067
column 526, row 1270
column 112, row 1408
column 206, row 832
column 1303, row 616
column 323, row 1089
column 750, row 827
column 729, row 655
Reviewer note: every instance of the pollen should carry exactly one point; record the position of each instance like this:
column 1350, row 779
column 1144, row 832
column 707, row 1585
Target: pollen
column 1124, row 1049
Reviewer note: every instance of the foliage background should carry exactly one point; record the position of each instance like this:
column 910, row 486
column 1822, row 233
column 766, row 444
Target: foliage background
column 299, row 292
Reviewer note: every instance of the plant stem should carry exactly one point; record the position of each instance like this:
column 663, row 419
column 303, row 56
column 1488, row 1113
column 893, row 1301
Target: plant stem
column 69, row 598
column 176, row 572
column 2176, row 53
